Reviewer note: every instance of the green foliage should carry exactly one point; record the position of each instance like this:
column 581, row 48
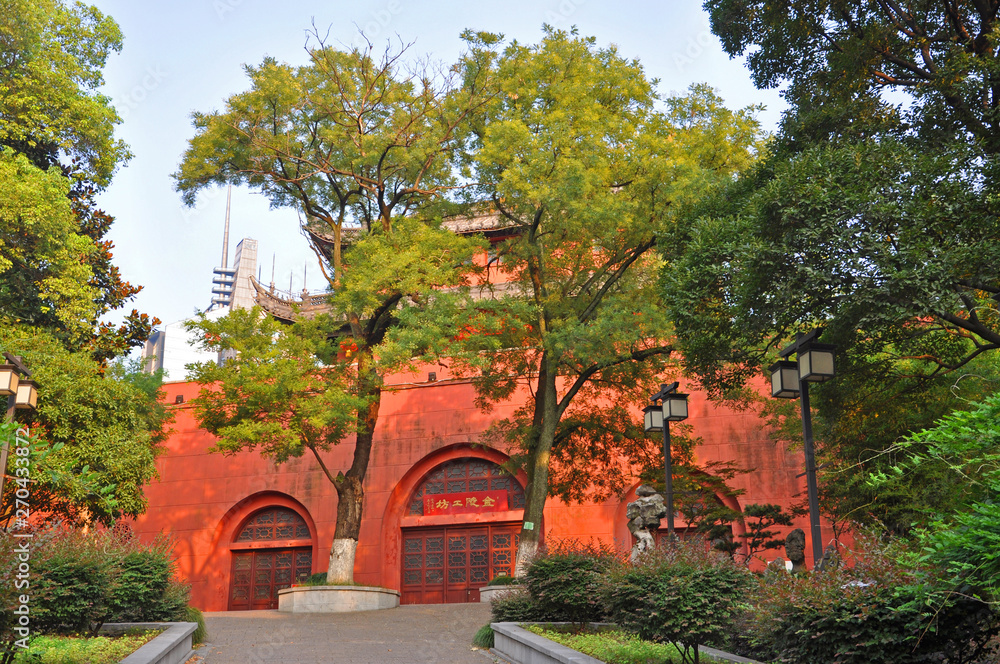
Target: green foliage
column 613, row 647
column 565, row 583
column 873, row 215
column 52, row 59
column 272, row 393
column 886, row 608
column 847, row 66
column 71, row 579
column 964, row 449
column 483, row 637
column 362, row 147
column 505, row 580
column 760, row 519
column 680, row 595
column 585, row 172
column 75, row 649
column 57, row 151
column 516, row 606
column 97, row 433
column 81, row 580
column 194, row 614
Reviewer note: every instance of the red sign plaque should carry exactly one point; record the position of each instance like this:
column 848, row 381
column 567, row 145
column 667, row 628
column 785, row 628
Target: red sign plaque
column 466, row 503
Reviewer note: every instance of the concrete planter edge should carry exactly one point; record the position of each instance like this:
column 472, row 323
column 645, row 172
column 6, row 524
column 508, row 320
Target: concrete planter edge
column 172, row 646
column 489, row 593
column 336, row 599
column 519, row 646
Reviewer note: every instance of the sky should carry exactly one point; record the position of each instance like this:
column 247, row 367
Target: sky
column 183, row 56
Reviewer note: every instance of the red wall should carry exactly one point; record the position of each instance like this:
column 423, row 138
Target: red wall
column 201, row 497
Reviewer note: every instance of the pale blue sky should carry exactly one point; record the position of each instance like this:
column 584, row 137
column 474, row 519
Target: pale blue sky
column 187, row 55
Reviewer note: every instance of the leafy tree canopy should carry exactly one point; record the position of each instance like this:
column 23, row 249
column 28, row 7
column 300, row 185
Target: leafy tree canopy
column 584, row 168
column 97, row 434
column 57, row 150
column 363, row 148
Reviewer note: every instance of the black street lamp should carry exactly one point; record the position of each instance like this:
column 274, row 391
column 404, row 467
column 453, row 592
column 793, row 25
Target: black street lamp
column 20, row 393
column 790, row 380
column 673, row 408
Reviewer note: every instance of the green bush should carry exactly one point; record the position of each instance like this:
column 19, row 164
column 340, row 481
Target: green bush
column 142, row 590
column 505, row 580
column 74, row 650
column 483, row 638
column 81, row 580
column 682, row 595
column 566, row 582
column 318, row 579
column 884, row 610
column 516, row 606
column 70, row 582
column 193, row 614
column 611, row 646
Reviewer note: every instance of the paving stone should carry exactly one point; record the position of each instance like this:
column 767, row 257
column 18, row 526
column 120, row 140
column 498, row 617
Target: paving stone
column 412, row 634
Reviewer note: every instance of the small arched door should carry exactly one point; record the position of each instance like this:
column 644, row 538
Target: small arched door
column 450, row 561
column 271, row 550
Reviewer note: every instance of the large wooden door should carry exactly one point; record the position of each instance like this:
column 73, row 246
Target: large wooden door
column 451, row 564
column 257, row 576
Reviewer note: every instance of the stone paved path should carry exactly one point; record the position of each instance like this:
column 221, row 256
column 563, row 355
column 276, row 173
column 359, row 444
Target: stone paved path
column 408, row 634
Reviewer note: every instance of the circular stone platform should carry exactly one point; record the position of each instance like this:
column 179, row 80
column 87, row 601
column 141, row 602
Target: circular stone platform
column 336, row 599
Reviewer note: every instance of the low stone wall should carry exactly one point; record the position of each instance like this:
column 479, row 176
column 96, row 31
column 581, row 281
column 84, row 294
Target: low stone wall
column 172, row 646
column 520, row 646
column 488, row 593
column 336, row 599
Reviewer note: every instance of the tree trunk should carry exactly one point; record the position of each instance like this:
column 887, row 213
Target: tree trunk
column 350, row 486
column 539, row 453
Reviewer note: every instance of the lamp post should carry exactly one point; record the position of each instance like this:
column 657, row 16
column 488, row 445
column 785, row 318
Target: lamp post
column 790, row 380
column 673, row 408
column 20, row 393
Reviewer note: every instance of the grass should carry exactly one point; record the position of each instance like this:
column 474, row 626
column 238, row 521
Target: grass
column 483, row 638
column 79, row 649
column 614, row 646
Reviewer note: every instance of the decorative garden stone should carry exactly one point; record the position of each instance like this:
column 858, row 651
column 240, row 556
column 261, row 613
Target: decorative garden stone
column 795, row 549
column 777, row 565
column 830, row 559
column 644, row 515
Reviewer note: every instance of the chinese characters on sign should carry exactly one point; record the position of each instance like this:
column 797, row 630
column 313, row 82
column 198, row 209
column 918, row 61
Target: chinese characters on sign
column 466, row 503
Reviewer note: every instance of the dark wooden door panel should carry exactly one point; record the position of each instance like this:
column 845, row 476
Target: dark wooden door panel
column 257, row 576
column 451, row 564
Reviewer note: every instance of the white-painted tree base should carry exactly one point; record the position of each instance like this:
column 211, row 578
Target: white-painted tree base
column 341, row 567
column 336, row 599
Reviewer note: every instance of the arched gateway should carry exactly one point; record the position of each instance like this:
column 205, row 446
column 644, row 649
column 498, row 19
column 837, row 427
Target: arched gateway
column 466, row 546
column 271, row 550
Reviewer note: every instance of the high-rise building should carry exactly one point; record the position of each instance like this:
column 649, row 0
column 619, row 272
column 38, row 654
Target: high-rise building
column 173, row 346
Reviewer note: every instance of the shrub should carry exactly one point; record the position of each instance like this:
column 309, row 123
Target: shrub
column 143, row 590
column 70, row 581
column 504, row 580
column 517, row 606
column 483, row 638
column 73, row 650
column 884, row 610
column 193, row 614
column 566, row 582
column 81, row 580
column 681, row 595
column 318, row 579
